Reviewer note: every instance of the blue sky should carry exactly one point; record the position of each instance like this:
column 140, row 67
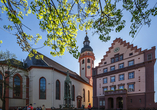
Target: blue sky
column 145, row 39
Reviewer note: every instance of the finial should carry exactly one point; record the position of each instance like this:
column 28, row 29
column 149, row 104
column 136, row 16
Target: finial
column 86, row 32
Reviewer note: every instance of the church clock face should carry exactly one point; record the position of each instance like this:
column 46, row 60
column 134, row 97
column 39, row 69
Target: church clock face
column 116, row 49
column 88, row 67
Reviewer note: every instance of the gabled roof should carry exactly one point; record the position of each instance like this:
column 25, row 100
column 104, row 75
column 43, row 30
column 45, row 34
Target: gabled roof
column 125, row 44
column 47, row 62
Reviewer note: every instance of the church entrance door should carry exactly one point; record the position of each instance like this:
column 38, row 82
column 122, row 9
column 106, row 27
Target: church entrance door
column 79, row 100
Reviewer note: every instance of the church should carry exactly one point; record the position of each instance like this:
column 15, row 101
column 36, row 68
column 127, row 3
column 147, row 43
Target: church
column 41, row 82
column 124, row 79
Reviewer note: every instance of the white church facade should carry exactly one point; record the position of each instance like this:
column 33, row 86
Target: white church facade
column 41, row 82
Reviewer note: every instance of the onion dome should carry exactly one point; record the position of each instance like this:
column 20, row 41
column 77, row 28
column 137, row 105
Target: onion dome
column 86, row 45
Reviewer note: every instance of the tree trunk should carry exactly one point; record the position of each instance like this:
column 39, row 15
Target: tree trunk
column 4, row 92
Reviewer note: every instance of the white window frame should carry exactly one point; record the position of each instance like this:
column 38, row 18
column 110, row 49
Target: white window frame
column 131, row 75
column 113, row 79
column 121, row 86
column 121, row 78
column 104, row 82
column 112, row 67
column 113, row 88
column 131, row 63
column 121, row 65
column 105, row 70
column 131, row 88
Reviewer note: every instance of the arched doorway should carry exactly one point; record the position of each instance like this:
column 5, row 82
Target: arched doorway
column 79, row 101
column 119, row 102
column 110, row 103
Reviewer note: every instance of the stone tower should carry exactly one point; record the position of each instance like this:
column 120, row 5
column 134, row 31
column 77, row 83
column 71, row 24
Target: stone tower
column 86, row 61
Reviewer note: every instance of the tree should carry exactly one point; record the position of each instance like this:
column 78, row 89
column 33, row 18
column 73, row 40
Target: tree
column 8, row 67
column 61, row 18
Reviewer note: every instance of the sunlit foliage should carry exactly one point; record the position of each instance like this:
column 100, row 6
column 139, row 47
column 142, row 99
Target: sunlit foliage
column 62, row 19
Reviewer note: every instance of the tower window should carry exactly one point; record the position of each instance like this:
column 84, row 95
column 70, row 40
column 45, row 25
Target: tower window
column 88, row 60
column 149, row 56
column 82, row 61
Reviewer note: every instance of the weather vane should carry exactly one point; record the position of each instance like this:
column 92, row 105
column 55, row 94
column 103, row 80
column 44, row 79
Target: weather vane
column 86, row 32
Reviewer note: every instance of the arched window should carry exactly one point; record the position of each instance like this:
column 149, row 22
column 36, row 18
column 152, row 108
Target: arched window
column 73, row 93
column 88, row 60
column 1, row 84
column 58, row 90
column 42, row 88
column 83, row 95
column 17, row 86
column 83, row 61
column 88, row 96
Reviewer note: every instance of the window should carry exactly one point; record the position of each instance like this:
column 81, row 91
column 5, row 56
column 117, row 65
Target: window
column 83, row 95
column 112, row 68
column 113, row 88
column 121, row 77
column 103, row 102
column 88, row 60
column 100, row 102
column 17, row 86
column 149, row 57
column 112, row 60
column 121, row 65
column 42, row 88
column 105, row 80
column 116, row 58
column 121, row 57
column 88, row 96
column 105, row 62
column 113, row 79
column 130, row 54
column 105, row 70
column 131, row 63
column 83, row 61
column 121, row 87
column 1, row 85
column 73, row 93
column 131, row 100
column 140, row 100
column 131, row 88
column 58, row 89
column 131, row 75
column 105, row 89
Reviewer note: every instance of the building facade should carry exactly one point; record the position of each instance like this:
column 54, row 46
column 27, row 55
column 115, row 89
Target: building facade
column 41, row 82
column 124, row 78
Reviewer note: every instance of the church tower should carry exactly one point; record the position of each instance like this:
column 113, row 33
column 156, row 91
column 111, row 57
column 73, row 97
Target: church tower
column 86, row 61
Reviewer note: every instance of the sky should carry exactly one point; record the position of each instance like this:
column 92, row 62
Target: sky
column 145, row 39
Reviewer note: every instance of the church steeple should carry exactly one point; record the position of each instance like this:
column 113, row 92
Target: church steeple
column 86, row 61
column 86, row 45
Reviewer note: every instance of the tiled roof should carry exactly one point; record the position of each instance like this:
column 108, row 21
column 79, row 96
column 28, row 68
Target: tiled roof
column 63, row 69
